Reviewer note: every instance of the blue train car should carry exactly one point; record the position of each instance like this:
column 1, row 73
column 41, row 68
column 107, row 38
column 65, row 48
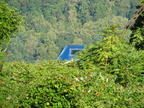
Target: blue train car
column 69, row 52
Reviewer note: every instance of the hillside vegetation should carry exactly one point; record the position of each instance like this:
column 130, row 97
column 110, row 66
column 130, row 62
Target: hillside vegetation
column 53, row 24
column 106, row 74
column 110, row 81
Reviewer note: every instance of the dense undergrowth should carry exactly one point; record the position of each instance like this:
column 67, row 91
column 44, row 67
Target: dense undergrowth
column 51, row 84
column 108, row 74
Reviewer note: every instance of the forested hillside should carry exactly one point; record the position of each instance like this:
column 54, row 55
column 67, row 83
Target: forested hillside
column 52, row 24
column 106, row 74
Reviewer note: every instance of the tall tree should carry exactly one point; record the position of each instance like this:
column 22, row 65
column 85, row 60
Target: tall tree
column 71, row 21
column 137, row 36
column 9, row 24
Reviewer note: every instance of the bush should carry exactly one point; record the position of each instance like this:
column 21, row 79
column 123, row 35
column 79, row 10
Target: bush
column 52, row 84
column 105, row 75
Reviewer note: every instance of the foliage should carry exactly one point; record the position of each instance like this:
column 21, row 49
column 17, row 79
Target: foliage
column 109, row 73
column 9, row 24
column 106, row 74
column 53, row 84
column 50, row 84
column 142, row 1
column 138, row 39
column 64, row 22
column 114, row 56
column 137, row 36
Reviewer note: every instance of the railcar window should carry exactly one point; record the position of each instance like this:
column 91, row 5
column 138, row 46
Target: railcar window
column 73, row 51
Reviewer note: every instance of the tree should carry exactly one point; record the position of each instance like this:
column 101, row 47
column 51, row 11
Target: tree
column 77, row 41
column 114, row 56
column 9, row 24
column 69, row 20
column 137, row 37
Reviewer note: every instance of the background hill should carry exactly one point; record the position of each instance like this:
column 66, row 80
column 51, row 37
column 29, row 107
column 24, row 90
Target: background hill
column 52, row 24
column 108, row 73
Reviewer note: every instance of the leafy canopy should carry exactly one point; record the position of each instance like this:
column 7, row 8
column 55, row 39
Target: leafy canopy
column 137, row 36
column 9, row 23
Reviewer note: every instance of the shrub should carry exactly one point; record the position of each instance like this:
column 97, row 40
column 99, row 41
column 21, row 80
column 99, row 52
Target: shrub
column 52, row 84
column 108, row 74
